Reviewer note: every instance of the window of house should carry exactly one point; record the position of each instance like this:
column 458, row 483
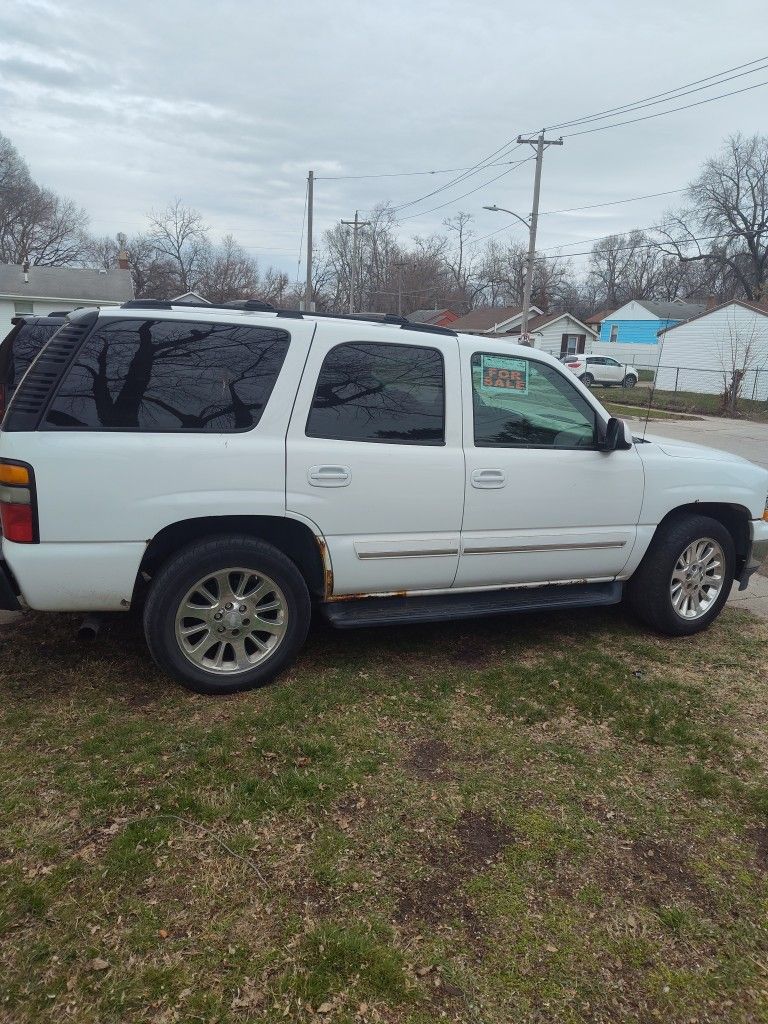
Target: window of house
column 170, row 375
column 22, row 306
column 367, row 391
column 614, row 332
column 522, row 403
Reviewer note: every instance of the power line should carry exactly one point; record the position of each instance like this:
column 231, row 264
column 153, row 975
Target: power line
column 474, row 169
column 599, row 238
column 613, row 202
column 404, row 174
column 644, row 245
column 669, row 94
column 661, row 113
column 456, row 199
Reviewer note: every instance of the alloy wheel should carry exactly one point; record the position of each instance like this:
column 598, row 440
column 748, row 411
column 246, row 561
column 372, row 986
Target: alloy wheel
column 231, row 620
column 697, row 578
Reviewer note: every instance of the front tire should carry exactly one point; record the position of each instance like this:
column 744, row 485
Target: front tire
column 629, row 381
column 226, row 614
column 685, row 577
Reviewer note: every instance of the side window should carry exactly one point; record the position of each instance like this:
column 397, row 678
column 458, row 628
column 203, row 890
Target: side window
column 370, row 391
column 27, row 343
column 169, row 375
column 522, row 403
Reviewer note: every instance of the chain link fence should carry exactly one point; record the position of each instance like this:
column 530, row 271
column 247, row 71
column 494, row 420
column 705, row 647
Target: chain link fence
column 694, row 389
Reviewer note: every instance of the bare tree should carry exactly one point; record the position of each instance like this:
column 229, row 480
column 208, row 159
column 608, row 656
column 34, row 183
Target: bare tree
column 725, row 220
column 179, row 234
column 227, row 272
column 740, row 353
column 36, row 224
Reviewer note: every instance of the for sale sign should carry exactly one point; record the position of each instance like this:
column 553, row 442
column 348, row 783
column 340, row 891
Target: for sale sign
column 504, row 374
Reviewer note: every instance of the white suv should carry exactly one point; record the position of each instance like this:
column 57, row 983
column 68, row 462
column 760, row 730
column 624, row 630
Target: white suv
column 602, row 370
column 225, row 469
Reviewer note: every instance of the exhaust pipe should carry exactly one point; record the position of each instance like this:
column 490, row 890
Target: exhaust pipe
column 89, row 627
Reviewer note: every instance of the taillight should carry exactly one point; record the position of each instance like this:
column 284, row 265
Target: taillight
column 18, row 502
column 574, row 366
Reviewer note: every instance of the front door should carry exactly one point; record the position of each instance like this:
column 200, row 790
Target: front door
column 375, row 459
column 542, row 504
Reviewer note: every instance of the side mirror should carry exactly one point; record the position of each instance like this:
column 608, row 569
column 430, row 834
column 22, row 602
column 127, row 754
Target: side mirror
column 615, row 438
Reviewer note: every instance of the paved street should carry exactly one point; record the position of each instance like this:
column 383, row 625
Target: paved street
column 750, row 440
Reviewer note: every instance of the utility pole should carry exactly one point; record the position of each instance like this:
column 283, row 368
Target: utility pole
column 399, row 267
column 541, row 144
column 308, row 287
column 356, row 224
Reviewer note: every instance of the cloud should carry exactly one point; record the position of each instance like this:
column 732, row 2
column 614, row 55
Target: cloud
column 228, row 104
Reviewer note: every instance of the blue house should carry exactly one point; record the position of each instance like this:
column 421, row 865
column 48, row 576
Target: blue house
column 630, row 333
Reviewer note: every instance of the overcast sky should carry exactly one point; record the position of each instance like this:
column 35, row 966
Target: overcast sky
column 125, row 105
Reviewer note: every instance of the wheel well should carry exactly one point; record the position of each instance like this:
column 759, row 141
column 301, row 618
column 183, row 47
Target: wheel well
column 291, row 537
column 735, row 518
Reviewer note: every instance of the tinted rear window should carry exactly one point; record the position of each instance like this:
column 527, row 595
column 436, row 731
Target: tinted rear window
column 21, row 348
column 167, row 375
column 368, row 391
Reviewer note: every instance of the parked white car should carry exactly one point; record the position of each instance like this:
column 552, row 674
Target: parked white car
column 602, row 370
column 224, row 469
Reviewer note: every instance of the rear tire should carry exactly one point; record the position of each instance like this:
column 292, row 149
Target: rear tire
column 226, row 614
column 587, row 379
column 665, row 578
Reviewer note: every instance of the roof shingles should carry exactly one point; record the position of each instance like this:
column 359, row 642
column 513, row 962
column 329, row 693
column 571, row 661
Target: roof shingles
column 66, row 283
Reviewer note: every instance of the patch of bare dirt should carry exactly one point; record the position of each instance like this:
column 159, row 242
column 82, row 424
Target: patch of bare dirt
column 427, row 759
column 656, row 871
column 477, row 843
column 759, row 837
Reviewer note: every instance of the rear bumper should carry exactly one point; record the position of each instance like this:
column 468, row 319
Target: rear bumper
column 758, row 551
column 9, row 602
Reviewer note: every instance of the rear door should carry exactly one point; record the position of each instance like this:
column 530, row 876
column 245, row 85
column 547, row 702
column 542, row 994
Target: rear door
column 614, row 371
column 375, row 458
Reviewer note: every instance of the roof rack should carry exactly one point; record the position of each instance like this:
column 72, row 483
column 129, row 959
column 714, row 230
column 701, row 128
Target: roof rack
column 375, row 318
column 259, row 306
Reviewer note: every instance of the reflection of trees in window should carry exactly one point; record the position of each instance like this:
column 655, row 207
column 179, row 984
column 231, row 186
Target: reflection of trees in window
column 169, row 375
column 378, row 392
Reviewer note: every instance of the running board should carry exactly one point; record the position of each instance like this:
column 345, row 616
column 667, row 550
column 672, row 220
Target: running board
column 395, row 611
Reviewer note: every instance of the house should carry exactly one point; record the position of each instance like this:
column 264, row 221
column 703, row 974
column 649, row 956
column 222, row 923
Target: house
column 434, row 317
column 43, row 290
column 702, row 353
column 492, row 320
column 595, row 320
column 630, row 333
column 560, row 334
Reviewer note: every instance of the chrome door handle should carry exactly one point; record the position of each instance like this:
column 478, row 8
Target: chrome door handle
column 329, row 476
column 488, row 478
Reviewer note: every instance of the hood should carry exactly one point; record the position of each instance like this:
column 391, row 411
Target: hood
column 688, row 450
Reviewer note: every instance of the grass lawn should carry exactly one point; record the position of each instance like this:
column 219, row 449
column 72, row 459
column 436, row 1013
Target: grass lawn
column 535, row 819
column 707, row 405
column 638, row 412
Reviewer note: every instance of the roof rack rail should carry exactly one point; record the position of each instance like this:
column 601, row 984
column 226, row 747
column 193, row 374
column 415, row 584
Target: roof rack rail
column 250, row 305
column 259, row 306
column 375, row 318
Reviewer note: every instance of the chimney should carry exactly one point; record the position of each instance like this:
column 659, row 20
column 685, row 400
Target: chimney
column 711, row 302
column 25, row 268
column 122, row 260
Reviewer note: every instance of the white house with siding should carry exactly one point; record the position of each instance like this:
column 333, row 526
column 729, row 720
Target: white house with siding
column 702, row 353
column 560, row 334
column 43, row 290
